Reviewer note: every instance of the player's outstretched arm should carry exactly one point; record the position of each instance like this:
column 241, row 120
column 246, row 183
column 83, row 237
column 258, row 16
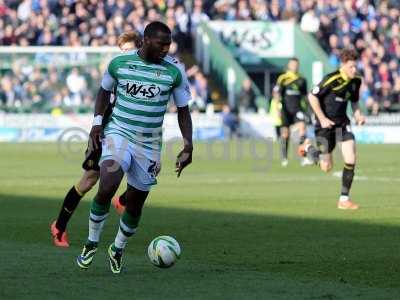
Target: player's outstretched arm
column 316, row 107
column 102, row 101
column 185, row 124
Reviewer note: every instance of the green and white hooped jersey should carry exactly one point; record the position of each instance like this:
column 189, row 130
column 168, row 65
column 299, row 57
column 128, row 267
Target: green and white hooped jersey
column 142, row 91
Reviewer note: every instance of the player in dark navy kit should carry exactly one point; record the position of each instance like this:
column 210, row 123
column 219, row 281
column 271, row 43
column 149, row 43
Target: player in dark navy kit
column 329, row 101
column 126, row 41
column 292, row 88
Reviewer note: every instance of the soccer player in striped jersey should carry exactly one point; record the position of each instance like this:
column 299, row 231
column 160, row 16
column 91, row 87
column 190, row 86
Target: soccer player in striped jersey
column 126, row 41
column 144, row 81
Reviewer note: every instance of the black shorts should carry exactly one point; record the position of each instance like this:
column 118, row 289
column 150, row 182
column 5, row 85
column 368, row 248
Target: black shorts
column 290, row 118
column 328, row 137
column 278, row 131
column 92, row 158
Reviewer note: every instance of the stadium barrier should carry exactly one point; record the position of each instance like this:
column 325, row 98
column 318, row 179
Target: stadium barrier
column 49, row 128
column 54, row 56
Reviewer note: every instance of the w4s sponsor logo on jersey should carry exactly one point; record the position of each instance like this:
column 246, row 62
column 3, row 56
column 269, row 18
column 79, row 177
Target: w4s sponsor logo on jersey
column 144, row 90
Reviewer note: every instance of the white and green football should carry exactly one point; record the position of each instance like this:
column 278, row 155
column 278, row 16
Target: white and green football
column 164, row 251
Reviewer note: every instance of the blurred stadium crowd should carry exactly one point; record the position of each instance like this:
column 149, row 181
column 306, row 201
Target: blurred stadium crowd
column 371, row 26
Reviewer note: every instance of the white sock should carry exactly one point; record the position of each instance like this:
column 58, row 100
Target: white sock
column 344, row 198
column 96, row 224
column 121, row 239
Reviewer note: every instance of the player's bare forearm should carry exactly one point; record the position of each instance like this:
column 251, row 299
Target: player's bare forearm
column 356, row 109
column 185, row 124
column 102, row 101
column 358, row 116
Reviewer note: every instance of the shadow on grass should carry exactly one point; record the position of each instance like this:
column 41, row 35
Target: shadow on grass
column 224, row 256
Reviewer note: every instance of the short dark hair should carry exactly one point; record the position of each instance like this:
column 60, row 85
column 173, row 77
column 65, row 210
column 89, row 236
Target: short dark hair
column 348, row 54
column 294, row 58
column 154, row 28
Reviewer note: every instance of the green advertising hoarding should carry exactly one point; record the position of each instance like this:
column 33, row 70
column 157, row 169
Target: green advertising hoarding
column 250, row 42
column 260, row 46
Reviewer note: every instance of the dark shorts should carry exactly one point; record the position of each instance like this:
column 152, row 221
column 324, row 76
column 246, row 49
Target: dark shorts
column 278, row 131
column 92, row 158
column 328, row 137
column 290, row 118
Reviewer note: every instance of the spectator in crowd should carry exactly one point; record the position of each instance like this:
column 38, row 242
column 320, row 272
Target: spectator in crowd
column 76, row 84
column 396, row 94
column 230, row 119
column 91, row 23
column 79, row 23
column 309, row 21
column 199, row 89
column 197, row 15
column 8, row 95
column 371, row 26
column 247, row 98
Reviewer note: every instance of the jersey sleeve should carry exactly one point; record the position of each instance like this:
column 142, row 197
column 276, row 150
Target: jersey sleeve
column 321, row 89
column 181, row 92
column 355, row 91
column 109, row 78
column 279, row 88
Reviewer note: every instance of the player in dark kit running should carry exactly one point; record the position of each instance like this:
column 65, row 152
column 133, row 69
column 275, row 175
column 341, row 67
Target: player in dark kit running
column 329, row 101
column 292, row 88
column 126, row 41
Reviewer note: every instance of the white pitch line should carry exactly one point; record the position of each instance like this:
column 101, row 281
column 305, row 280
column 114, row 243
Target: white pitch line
column 339, row 175
column 266, row 180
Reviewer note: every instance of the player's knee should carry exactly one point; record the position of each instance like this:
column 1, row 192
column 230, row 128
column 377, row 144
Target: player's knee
column 349, row 157
column 82, row 187
column 350, row 161
column 134, row 205
column 90, row 182
column 106, row 189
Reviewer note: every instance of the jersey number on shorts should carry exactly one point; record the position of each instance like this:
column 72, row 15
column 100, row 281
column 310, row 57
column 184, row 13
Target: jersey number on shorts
column 152, row 170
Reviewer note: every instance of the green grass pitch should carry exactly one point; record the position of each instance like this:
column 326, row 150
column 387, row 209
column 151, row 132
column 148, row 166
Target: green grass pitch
column 248, row 228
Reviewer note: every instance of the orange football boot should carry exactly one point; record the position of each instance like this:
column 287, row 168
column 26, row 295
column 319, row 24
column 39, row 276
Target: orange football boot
column 117, row 205
column 348, row 205
column 60, row 239
column 301, row 150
